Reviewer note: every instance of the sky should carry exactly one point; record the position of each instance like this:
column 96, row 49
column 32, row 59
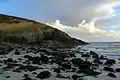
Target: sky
column 89, row 20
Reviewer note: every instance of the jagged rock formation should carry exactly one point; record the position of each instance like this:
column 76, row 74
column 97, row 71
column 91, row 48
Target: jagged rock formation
column 21, row 30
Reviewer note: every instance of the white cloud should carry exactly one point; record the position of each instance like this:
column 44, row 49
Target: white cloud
column 74, row 11
column 98, row 18
column 88, row 31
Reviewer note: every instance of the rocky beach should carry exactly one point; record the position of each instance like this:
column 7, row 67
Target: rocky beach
column 23, row 62
column 30, row 50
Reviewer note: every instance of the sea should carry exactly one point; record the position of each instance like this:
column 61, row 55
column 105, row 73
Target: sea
column 104, row 48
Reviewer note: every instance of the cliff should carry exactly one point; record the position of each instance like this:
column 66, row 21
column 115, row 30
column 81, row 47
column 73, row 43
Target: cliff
column 24, row 31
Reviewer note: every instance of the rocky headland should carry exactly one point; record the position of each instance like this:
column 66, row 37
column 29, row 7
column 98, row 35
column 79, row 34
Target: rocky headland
column 23, row 31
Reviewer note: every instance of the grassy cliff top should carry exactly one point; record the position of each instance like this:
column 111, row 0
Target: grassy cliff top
column 11, row 24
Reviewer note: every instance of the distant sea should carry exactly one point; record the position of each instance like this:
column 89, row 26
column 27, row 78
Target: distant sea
column 105, row 48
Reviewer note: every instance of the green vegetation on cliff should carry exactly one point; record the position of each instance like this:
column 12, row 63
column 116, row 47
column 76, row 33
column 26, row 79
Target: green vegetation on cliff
column 21, row 30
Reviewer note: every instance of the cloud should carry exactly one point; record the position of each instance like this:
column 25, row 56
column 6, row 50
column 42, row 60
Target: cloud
column 74, row 11
column 96, row 19
column 88, row 31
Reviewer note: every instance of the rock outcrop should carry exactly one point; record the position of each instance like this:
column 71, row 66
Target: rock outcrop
column 20, row 30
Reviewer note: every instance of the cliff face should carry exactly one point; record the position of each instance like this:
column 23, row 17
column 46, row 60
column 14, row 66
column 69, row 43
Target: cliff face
column 20, row 30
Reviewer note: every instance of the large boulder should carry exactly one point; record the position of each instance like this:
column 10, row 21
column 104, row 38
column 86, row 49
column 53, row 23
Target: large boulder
column 112, row 75
column 44, row 75
column 117, row 70
column 110, row 62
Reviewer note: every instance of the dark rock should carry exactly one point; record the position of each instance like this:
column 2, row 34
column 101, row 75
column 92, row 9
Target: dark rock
column 34, row 73
column 110, row 62
column 72, row 54
column 20, row 59
column 117, row 70
column 85, row 55
column 17, row 53
column 27, row 62
column 7, row 76
column 57, row 70
column 75, row 77
column 97, row 61
column 28, row 67
column 32, row 48
column 44, row 59
column 16, row 70
column 94, row 55
column 27, row 77
column 87, row 63
column 61, row 76
column 73, row 69
column 84, row 66
column 77, row 61
column 10, row 66
column 44, row 75
column 9, row 60
column 112, row 75
column 88, row 72
column 44, row 51
column 3, row 52
column 66, row 65
column 28, row 56
column 102, row 57
column 108, row 69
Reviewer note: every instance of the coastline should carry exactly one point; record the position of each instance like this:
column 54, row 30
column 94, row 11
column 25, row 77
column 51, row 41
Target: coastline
column 62, row 64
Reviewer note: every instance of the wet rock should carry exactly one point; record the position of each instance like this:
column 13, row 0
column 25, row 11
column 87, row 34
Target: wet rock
column 44, row 75
column 66, row 65
column 32, row 48
column 88, row 72
column 97, row 61
column 117, row 70
column 9, row 60
column 77, row 61
column 85, row 55
column 94, row 66
column 28, row 56
column 61, row 76
column 16, row 70
column 102, row 57
column 84, row 66
column 10, row 66
column 26, row 76
column 17, row 53
column 34, row 73
column 110, row 62
column 94, row 55
column 36, row 60
column 108, row 69
column 20, row 59
column 27, row 62
column 57, row 70
column 87, row 63
column 44, row 51
column 2, row 52
column 44, row 59
column 73, row 69
column 28, row 67
column 75, row 77
column 7, row 76
column 112, row 75
column 72, row 54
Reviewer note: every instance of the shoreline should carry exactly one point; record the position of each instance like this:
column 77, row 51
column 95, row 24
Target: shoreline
column 35, row 63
